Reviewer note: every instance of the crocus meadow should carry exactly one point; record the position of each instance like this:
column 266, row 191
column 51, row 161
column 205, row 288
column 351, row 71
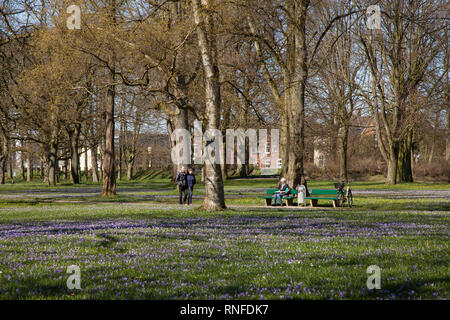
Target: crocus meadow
column 144, row 252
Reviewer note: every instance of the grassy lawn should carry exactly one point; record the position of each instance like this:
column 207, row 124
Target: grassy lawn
column 141, row 246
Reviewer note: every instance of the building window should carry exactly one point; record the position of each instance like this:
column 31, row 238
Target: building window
column 279, row 164
column 267, row 148
column 267, row 163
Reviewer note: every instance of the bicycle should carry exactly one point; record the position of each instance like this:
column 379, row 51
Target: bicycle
column 344, row 197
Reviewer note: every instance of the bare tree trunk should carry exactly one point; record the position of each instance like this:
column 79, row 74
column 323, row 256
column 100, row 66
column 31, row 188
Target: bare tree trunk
column 446, row 97
column 334, row 151
column 66, row 168
column 52, row 163
column 447, row 149
column 109, row 178
column 2, row 169
column 121, row 133
column 11, row 156
column 434, row 137
column 392, row 165
column 343, row 140
column 86, row 166
column 225, row 125
column 74, row 154
column 3, row 155
column 170, row 130
column 214, row 191
column 288, row 78
column 203, row 178
column 181, row 120
column 45, row 169
column 102, row 157
column 404, row 170
column 42, row 174
column 94, row 164
column 130, row 166
column 29, row 167
column 243, row 169
column 22, row 166
column 57, row 171
column 109, row 175
column 297, row 107
column 284, row 142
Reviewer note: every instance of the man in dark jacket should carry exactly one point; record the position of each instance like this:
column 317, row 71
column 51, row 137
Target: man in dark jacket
column 181, row 181
column 190, row 184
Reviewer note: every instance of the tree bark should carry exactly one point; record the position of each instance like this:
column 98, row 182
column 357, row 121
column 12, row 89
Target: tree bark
column 447, row 149
column 404, row 170
column 66, row 168
column 121, row 137
column 4, row 149
column 2, row 169
column 392, row 165
column 243, row 169
column 11, row 156
column 22, row 165
column 170, row 129
column 86, row 166
column 102, row 157
column 42, row 167
column 109, row 178
column 29, row 167
column 225, row 126
column 130, row 166
column 288, row 73
column 74, row 135
column 214, row 191
column 52, row 163
column 343, row 140
column 284, row 141
column 297, row 107
column 109, row 174
column 446, row 97
column 181, row 120
column 94, row 164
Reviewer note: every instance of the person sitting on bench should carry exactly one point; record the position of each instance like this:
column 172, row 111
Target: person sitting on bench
column 284, row 190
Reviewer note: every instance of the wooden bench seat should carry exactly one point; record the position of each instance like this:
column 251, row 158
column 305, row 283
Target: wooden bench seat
column 289, row 199
column 322, row 194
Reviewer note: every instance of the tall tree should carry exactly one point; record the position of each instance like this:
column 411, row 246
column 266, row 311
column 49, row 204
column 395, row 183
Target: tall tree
column 399, row 56
column 334, row 87
column 109, row 175
column 207, row 41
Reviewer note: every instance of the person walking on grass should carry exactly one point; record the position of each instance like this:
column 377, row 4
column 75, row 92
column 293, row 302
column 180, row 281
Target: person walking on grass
column 190, row 184
column 181, row 181
column 283, row 191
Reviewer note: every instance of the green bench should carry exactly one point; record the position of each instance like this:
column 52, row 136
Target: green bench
column 289, row 199
column 322, row 194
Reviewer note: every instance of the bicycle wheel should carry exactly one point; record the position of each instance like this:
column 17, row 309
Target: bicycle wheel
column 350, row 198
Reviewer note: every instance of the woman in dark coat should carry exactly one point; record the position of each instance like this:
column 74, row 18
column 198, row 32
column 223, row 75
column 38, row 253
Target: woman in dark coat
column 190, row 177
column 181, row 181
